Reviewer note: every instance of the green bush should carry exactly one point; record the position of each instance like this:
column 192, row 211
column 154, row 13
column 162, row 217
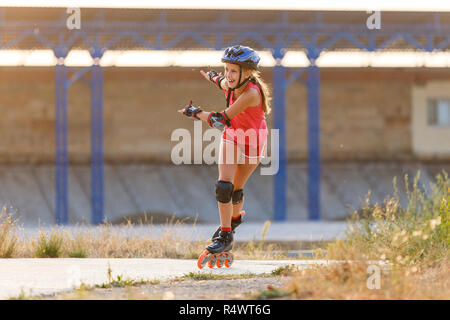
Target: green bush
column 49, row 247
column 76, row 247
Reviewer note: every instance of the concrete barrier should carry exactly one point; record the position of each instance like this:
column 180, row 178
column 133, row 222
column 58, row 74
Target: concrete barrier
column 166, row 190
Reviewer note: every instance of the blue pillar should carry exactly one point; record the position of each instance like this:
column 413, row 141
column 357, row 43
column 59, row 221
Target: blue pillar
column 314, row 175
column 279, row 122
column 97, row 182
column 61, row 176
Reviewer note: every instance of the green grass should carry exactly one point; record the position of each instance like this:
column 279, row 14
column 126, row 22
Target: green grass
column 120, row 282
column 286, row 270
column 78, row 253
column 24, row 296
column 272, row 293
column 213, row 276
column 49, row 246
column 77, row 247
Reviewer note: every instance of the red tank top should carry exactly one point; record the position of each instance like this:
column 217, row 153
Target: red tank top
column 252, row 119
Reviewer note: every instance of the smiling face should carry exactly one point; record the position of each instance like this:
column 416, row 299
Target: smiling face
column 232, row 74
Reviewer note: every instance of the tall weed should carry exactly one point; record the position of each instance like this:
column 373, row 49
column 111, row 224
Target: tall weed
column 8, row 239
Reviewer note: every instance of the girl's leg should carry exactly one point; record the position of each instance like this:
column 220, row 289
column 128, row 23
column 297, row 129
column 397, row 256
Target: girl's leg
column 229, row 153
column 243, row 172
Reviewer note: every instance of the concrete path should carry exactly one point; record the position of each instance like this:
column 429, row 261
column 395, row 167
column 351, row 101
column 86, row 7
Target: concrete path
column 47, row 276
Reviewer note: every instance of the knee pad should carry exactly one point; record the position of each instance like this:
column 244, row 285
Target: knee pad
column 224, row 191
column 238, row 195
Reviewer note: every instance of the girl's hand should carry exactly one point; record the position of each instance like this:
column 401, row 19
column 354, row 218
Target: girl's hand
column 216, row 78
column 191, row 111
column 205, row 75
column 211, row 75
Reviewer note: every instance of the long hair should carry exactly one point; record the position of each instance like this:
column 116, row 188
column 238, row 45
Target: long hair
column 265, row 91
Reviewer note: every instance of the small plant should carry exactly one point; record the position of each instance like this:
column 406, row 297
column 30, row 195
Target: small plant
column 445, row 220
column 83, row 287
column 78, row 253
column 213, row 276
column 80, row 292
column 272, row 293
column 202, row 276
column 286, row 270
column 8, row 239
column 49, row 247
column 264, row 232
column 77, row 248
column 119, row 281
column 24, row 296
column 260, row 249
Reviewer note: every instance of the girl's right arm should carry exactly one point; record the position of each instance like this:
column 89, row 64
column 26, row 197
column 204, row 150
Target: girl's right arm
column 223, row 83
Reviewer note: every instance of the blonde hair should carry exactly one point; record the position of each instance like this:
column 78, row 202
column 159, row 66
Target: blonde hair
column 265, row 91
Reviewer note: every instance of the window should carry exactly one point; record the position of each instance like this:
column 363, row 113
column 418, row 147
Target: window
column 439, row 112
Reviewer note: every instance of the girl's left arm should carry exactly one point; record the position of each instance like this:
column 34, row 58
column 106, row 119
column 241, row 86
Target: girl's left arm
column 203, row 115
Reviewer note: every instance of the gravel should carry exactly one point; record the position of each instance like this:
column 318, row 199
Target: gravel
column 186, row 289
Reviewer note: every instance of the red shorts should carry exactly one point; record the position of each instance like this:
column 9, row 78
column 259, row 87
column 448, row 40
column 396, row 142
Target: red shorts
column 252, row 143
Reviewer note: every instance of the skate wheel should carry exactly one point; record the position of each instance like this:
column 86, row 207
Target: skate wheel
column 220, row 261
column 229, row 259
column 212, row 261
column 203, row 260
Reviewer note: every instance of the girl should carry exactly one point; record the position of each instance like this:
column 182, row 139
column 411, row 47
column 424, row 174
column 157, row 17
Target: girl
column 243, row 143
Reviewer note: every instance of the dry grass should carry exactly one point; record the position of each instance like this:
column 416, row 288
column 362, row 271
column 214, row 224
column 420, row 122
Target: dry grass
column 413, row 241
column 108, row 241
column 350, row 281
column 416, row 234
column 8, row 239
